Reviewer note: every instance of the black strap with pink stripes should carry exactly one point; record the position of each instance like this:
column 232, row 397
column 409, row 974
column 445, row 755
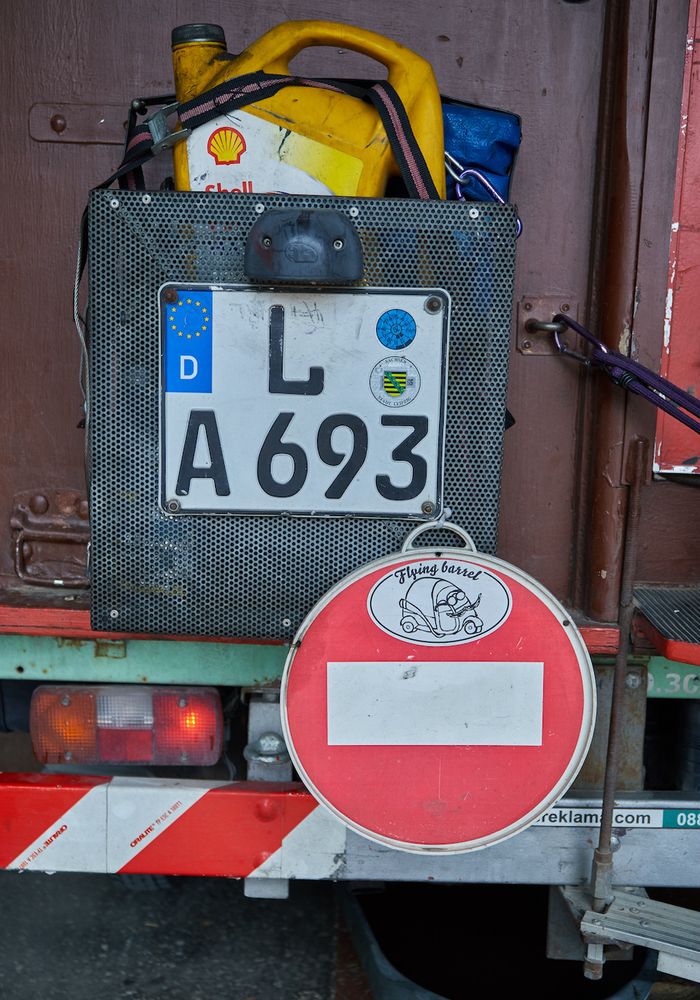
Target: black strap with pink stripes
column 243, row 90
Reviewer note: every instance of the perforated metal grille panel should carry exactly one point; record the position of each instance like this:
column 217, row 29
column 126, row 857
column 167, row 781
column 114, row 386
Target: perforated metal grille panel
column 257, row 577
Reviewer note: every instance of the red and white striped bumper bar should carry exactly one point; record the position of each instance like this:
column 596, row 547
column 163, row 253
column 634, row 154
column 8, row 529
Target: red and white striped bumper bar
column 269, row 830
column 236, row 829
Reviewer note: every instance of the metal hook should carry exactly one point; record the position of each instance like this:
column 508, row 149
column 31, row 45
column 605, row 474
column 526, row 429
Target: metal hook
column 557, row 327
column 538, row 324
column 452, row 166
column 581, row 331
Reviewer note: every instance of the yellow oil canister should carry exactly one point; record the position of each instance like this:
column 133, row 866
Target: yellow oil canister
column 302, row 140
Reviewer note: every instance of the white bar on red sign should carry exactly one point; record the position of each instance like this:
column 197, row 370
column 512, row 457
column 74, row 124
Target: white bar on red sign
column 435, row 704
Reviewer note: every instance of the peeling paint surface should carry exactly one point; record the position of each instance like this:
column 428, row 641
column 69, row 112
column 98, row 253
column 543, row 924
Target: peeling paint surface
column 676, row 445
column 668, row 314
column 625, row 340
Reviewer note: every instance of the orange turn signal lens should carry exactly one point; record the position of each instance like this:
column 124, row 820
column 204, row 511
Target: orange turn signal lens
column 63, row 724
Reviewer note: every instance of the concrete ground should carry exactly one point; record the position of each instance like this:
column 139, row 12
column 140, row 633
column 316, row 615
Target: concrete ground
column 72, row 937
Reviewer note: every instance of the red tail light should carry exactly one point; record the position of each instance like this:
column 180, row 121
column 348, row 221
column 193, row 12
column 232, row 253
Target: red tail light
column 116, row 724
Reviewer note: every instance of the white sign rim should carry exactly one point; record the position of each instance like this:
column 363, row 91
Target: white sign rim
column 587, row 679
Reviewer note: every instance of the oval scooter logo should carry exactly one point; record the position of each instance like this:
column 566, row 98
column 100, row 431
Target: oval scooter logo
column 437, row 601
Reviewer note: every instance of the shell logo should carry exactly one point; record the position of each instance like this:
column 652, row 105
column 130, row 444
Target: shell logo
column 226, row 145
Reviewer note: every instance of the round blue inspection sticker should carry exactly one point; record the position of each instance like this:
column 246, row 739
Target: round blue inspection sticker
column 396, row 329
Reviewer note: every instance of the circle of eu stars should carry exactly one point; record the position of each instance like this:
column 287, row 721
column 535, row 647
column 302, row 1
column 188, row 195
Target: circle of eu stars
column 189, row 318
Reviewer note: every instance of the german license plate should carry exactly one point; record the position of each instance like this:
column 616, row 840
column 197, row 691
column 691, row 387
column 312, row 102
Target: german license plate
column 302, row 401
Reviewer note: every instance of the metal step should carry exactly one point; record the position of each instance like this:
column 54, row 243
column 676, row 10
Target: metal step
column 633, row 919
column 670, row 617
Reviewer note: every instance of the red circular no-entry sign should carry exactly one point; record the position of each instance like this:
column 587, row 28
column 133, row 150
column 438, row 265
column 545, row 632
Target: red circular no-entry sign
column 438, row 700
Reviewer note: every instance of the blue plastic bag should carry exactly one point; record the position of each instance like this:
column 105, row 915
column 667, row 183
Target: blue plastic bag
column 483, row 139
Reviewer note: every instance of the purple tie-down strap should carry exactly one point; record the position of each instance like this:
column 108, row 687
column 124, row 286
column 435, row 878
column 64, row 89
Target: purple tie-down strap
column 634, row 376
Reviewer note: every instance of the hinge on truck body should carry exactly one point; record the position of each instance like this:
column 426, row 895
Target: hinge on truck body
column 50, row 536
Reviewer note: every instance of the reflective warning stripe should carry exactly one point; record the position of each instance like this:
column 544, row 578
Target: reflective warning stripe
column 74, row 841
column 51, row 823
column 31, row 806
column 141, row 810
column 229, row 831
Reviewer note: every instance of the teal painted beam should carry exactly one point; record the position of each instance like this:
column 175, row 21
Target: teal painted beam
column 671, row 679
column 157, row 661
column 139, row 661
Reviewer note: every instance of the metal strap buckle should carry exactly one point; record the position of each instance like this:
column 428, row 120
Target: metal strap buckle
column 157, row 124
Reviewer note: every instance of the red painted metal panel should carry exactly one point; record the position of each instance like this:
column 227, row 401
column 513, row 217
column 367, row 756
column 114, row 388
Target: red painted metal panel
column 678, row 447
column 71, row 624
column 76, row 625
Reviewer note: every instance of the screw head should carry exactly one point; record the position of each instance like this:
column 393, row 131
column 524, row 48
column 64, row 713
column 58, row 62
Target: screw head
column 146, row 199
column 527, row 344
column 433, row 305
column 65, row 700
column 259, row 209
column 170, row 295
column 338, row 244
column 527, row 306
column 266, row 241
column 427, row 507
column 473, row 213
column 114, row 613
column 182, row 703
column 565, row 307
column 633, row 681
column 172, row 506
column 58, row 123
column 286, row 622
column 114, row 203
column 39, row 504
column 354, row 212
